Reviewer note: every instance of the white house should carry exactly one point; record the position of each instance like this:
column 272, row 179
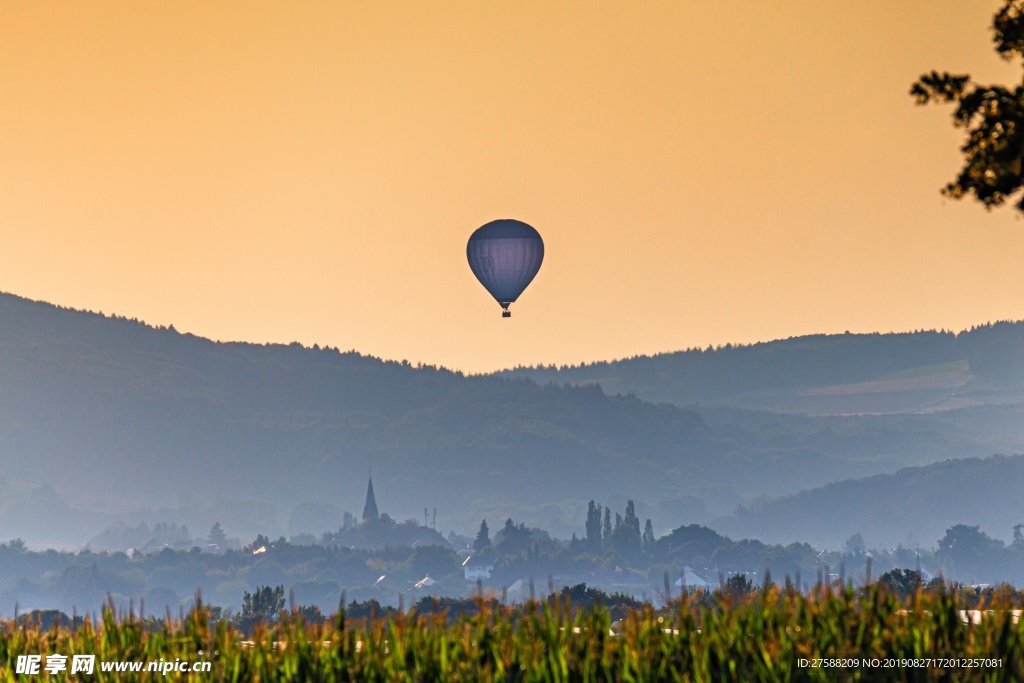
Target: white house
column 690, row 580
column 517, row 592
column 478, row 569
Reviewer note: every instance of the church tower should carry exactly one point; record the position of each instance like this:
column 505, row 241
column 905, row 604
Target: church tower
column 370, row 509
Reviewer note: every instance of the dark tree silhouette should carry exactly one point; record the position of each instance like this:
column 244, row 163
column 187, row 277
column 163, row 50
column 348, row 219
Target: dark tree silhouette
column 992, row 115
column 738, row 585
column 903, row 582
column 514, row 539
column 217, row 536
column 970, row 552
column 594, row 524
column 265, row 604
column 648, row 537
column 483, row 537
column 630, row 519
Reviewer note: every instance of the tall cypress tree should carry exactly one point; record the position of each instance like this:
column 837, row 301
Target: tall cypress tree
column 483, row 537
column 631, row 520
column 594, row 525
column 648, row 537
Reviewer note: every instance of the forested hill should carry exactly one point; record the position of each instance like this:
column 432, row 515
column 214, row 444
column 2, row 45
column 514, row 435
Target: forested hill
column 104, row 419
column 913, row 505
column 823, row 374
column 102, row 415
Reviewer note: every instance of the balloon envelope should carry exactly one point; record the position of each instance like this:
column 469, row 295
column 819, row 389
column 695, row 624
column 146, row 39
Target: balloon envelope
column 505, row 255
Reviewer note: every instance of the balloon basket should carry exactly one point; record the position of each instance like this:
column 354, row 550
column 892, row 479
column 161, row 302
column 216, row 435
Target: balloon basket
column 506, row 314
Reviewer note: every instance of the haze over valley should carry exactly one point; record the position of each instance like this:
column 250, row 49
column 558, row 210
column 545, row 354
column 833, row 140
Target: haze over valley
column 477, row 341
column 106, row 420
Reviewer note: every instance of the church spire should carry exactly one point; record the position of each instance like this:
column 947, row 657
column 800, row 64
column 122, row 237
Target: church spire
column 370, row 509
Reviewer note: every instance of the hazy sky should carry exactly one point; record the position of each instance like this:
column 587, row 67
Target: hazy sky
column 701, row 172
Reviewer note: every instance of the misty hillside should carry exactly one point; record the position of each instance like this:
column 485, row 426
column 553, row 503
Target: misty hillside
column 914, row 505
column 824, row 374
column 105, row 419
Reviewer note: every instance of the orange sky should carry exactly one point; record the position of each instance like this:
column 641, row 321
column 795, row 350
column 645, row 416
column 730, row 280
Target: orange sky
column 701, row 172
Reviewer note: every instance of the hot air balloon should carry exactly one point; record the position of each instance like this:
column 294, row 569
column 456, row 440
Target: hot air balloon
column 505, row 255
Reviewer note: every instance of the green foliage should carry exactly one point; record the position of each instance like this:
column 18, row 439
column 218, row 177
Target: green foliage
column 436, row 561
column 689, row 542
column 584, row 597
column 971, row 554
column 483, row 537
column 593, row 525
column 217, row 538
column 648, row 537
column 759, row 636
column 903, row 582
column 772, row 375
column 513, row 539
column 926, row 500
column 263, row 605
column 317, row 575
column 738, row 585
column 310, row 614
column 131, row 393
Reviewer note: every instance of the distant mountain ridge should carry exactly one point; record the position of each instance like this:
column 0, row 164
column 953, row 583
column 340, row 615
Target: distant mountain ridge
column 913, row 505
column 823, row 374
column 104, row 418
